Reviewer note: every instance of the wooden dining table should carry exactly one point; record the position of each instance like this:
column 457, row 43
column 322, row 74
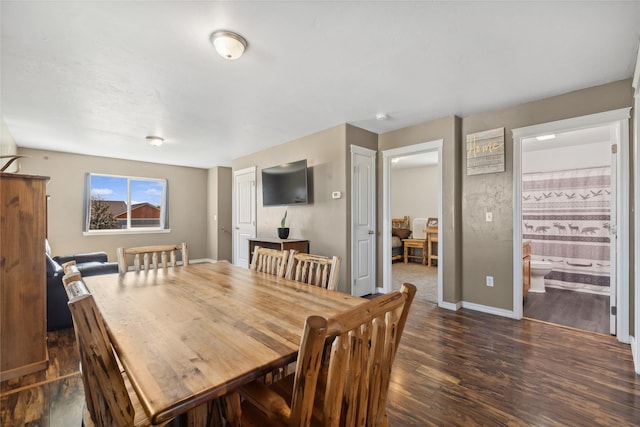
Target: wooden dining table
column 188, row 335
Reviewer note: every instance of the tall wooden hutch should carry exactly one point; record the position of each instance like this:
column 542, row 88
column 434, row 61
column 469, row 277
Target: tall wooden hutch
column 23, row 300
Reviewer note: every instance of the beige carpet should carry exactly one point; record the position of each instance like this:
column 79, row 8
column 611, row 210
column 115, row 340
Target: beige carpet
column 425, row 278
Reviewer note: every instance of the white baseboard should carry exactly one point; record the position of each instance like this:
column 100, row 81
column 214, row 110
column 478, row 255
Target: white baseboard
column 450, row 305
column 205, row 260
column 488, row 309
column 476, row 307
column 636, row 356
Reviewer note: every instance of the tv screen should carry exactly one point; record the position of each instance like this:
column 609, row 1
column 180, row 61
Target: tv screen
column 285, row 184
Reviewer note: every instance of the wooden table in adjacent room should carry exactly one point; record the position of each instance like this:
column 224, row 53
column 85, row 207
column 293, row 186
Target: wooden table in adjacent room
column 188, row 335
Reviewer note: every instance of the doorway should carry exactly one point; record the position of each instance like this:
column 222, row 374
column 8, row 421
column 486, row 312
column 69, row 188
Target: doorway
column 567, row 175
column 569, row 223
column 244, row 214
column 427, row 159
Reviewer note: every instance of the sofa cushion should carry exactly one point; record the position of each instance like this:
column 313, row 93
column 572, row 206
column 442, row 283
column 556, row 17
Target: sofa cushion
column 82, row 258
column 97, row 268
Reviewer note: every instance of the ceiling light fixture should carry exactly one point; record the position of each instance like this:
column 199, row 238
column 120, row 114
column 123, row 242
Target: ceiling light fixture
column 381, row 116
column 156, row 141
column 545, row 137
column 228, row 44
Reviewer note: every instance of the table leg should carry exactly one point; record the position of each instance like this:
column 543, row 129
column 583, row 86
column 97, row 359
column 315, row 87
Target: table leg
column 406, row 253
column 428, row 250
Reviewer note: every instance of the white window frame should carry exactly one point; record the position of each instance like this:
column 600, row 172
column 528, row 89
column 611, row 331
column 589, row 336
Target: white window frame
column 164, row 212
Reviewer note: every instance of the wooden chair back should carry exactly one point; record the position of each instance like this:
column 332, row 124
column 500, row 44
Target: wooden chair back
column 315, row 270
column 270, row 261
column 362, row 354
column 341, row 381
column 106, row 395
column 152, row 257
column 71, row 271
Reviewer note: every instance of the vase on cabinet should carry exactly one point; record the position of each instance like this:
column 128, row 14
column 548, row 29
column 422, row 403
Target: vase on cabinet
column 283, row 232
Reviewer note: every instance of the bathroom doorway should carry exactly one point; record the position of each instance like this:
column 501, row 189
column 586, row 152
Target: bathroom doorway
column 569, row 217
column 568, row 203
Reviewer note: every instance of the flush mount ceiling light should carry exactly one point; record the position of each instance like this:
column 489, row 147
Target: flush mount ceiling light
column 382, row 116
column 156, row 141
column 228, row 44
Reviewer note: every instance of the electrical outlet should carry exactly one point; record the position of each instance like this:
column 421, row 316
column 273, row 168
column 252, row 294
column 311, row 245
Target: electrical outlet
column 489, row 216
column 489, row 280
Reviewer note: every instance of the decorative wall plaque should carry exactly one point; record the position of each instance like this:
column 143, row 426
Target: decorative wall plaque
column 485, row 152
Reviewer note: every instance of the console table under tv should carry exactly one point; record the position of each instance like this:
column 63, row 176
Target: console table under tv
column 279, row 244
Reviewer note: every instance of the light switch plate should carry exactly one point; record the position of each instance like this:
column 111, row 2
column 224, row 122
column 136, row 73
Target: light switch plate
column 489, row 216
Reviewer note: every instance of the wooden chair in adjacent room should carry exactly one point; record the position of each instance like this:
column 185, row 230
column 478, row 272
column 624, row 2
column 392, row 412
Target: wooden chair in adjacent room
column 270, row 261
column 152, row 257
column 315, row 270
column 341, row 384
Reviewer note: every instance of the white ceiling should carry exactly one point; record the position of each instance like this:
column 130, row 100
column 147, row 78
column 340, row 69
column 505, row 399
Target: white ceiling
column 98, row 77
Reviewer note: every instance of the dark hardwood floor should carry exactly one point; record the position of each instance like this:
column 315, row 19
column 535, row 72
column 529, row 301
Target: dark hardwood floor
column 576, row 309
column 452, row 369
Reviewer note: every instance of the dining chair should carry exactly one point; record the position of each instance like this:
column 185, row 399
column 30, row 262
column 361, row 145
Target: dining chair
column 315, row 270
column 270, row 261
column 71, row 269
column 343, row 371
column 109, row 398
column 152, row 257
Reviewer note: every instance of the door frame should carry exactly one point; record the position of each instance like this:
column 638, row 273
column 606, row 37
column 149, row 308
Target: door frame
column 620, row 120
column 635, row 346
column 356, row 149
column 234, row 226
column 387, row 156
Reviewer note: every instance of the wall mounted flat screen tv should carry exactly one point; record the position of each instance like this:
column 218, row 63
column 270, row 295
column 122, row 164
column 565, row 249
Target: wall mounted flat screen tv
column 285, row 184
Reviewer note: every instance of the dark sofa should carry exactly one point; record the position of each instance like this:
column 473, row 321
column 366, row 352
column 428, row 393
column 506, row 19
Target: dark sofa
column 89, row 264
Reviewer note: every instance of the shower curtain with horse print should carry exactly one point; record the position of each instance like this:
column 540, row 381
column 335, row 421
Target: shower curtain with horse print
column 566, row 217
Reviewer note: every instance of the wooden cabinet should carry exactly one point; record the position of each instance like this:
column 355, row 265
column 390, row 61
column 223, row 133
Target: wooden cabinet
column 279, row 244
column 23, row 300
column 526, row 268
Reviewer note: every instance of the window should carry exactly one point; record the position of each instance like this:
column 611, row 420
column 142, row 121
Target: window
column 120, row 203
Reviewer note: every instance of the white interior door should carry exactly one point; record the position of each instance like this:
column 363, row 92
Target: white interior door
column 363, row 221
column 244, row 214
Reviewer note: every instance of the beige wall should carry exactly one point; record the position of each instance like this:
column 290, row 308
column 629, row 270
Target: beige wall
column 324, row 222
column 494, row 192
column 66, row 188
column 414, row 192
column 219, row 239
column 7, row 147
